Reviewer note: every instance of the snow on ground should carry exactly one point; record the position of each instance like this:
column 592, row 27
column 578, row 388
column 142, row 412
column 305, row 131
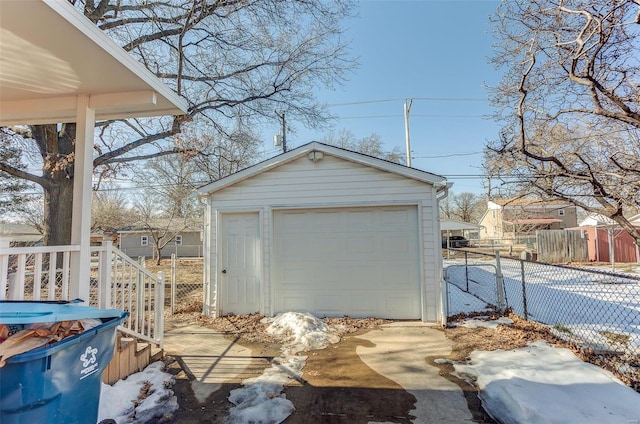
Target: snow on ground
column 544, row 384
column 261, row 398
column 459, row 301
column 539, row 383
column 479, row 322
column 301, row 331
column 123, row 402
column 591, row 306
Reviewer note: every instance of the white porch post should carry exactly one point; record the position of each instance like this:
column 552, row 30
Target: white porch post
column 82, row 195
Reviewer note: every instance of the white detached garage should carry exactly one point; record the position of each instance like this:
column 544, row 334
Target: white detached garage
column 324, row 230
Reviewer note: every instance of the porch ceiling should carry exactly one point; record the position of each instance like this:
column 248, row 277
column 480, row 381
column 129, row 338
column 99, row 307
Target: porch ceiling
column 50, row 53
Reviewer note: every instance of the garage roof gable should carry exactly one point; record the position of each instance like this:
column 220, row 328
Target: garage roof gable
column 308, row 150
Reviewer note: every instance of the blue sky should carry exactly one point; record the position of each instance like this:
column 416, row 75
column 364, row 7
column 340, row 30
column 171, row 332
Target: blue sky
column 422, row 50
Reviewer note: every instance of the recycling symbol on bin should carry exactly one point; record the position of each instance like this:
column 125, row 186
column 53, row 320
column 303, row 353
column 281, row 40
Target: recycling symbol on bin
column 89, row 356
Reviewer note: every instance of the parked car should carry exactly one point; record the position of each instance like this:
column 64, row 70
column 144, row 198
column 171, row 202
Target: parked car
column 455, row 241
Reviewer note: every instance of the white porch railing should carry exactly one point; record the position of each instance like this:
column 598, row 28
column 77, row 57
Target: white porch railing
column 116, row 281
column 124, row 284
column 21, row 266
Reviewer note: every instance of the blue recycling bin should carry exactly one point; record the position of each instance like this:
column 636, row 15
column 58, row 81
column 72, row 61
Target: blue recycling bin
column 58, row 383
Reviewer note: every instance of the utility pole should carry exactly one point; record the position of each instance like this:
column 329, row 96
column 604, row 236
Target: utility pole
column 407, row 108
column 284, row 130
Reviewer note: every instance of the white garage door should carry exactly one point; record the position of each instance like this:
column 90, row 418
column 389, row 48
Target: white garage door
column 360, row 262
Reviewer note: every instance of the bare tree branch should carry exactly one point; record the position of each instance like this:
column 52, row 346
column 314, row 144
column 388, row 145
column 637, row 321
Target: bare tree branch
column 569, row 104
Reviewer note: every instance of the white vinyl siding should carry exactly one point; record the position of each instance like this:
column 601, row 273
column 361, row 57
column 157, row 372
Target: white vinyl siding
column 331, row 180
column 336, row 183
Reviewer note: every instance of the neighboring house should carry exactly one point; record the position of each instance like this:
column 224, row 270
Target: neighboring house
column 19, row 233
column 512, row 220
column 328, row 231
column 607, row 240
column 139, row 242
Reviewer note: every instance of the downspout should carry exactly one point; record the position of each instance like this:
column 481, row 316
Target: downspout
column 442, row 191
column 207, row 307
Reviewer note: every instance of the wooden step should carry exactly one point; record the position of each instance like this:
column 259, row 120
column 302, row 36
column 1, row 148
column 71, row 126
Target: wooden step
column 157, row 354
column 130, row 356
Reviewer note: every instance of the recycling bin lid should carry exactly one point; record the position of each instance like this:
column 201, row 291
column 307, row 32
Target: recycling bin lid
column 30, row 312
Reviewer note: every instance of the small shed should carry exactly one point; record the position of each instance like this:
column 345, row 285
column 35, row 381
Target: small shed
column 328, row 231
column 607, row 241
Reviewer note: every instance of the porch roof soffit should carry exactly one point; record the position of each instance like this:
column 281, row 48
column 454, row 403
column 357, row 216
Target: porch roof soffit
column 50, row 54
column 423, row 176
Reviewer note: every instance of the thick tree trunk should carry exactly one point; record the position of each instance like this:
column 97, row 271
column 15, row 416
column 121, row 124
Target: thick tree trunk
column 56, row 145
column 58, row 207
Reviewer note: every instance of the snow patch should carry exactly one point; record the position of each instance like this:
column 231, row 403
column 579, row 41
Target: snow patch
column 261, row 400
column 475, row 323
column 301, row 331
column 544, row 384
column 121, row 402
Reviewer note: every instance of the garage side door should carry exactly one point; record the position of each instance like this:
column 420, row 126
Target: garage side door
column 359, row 262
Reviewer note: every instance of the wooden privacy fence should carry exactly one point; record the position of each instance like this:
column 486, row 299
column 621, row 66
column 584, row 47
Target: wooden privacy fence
column 562, row 246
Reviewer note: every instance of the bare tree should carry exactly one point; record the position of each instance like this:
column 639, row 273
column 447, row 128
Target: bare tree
column 569, row 103
column 467, row 207
column 371, row 145
column 31, row 213
column 162, row 225
column 446, row 207
column 227, row 58
column 166, row 202
column 110, row 210
column 12, row 197
column 169, row 182
column 222, row 156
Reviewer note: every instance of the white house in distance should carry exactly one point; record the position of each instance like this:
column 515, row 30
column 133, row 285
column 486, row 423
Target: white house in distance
column 20, row 233
column 328, row 231
column 509, row 219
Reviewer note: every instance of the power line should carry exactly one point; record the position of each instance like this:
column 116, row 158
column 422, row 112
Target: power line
column 429, row 99
column 450, row 99
column 447, row 156
column 419, row 116
column 364, row 102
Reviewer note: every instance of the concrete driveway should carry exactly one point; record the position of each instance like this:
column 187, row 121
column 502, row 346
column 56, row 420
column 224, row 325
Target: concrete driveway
column 381, row 376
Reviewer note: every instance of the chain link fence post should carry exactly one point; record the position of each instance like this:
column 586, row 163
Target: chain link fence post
column 524, row 291
column 173, row 283
column 158, row 323
column 500, row 283
column 466, row 268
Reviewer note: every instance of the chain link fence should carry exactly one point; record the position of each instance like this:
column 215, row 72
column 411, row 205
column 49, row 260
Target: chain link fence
column 595, row 309
column 184, row 282
column 183, row 279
